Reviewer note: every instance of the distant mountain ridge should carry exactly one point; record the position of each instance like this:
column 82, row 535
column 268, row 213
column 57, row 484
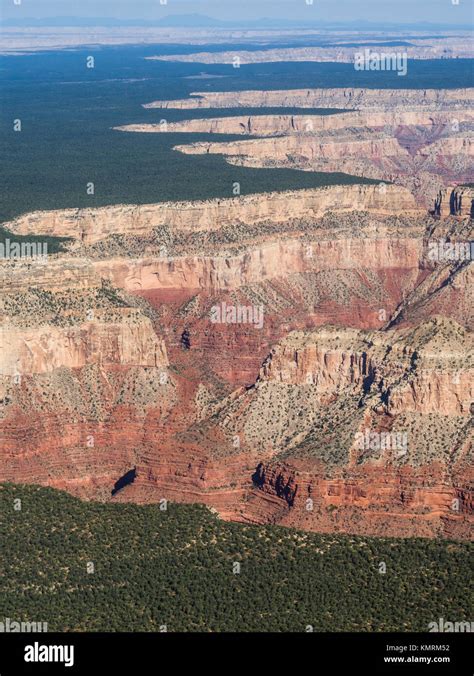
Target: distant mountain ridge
column 202, row 21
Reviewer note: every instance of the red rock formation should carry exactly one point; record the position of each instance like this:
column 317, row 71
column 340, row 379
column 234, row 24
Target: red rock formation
column 254, row 422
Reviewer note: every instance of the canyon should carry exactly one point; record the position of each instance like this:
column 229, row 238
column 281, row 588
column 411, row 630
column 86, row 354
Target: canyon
column 422, row 140
column 133, row 367
column 112, row 368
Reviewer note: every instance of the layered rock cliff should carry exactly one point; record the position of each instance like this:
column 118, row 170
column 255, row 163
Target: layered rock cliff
column 275, row 125
column 423, row 166
column 344, row 98
column 92, row 225
column 113, row 363
column 410, row 370
column 344, row 433
column 457, row 201
column 302, row 358
column 422, row 140
column 130, row 341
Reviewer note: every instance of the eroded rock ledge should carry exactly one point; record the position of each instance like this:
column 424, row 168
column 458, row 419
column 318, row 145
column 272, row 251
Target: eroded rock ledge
column 344, row 98
column 91, row 225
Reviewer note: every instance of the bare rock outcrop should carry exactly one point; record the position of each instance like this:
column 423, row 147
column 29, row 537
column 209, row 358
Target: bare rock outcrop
column 436, row 361
column 421, row 139
column 41, row 349
column 344, row 98
column 275, row 125
column 91, row 225
column 457, row 201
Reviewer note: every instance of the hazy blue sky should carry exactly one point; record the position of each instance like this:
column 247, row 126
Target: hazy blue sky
column 393, row 11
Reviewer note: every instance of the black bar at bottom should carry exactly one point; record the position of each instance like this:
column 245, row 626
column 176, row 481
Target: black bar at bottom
column 407, row 653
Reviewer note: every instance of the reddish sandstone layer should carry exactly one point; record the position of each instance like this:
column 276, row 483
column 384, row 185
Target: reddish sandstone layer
column 250, row 486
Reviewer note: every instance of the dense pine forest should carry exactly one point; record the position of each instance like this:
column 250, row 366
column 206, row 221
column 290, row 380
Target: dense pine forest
column 84, row 566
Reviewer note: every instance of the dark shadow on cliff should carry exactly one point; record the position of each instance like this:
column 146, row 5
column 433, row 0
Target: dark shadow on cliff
column 125, row 480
